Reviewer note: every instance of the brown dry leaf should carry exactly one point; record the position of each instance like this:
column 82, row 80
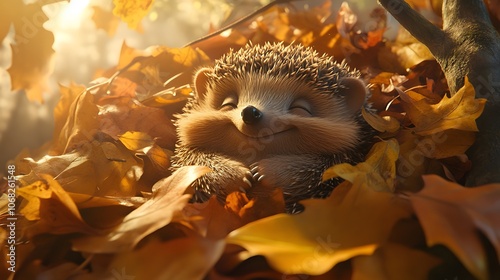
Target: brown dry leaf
column 32, row 53
column 80, row 124
column 105, row 20
column 128, row 54
column 143, row 143
column 62, row 110
column 94, row 168
column 419, row 154
column 393, row 262
column 378, row 172
column 52, row 208
column 166, row 203
column 458, row 112
column 84, row 201
column 184, row 258
column 451, row 215
column 132, row 12
column 328, row 232
column 122, row 114
column 63, row 271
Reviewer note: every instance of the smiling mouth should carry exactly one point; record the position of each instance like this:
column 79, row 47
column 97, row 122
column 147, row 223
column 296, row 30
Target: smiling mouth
column 266, row 135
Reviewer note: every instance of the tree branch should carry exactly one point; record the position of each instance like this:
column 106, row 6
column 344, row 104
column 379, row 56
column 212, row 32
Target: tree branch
column 467, row 46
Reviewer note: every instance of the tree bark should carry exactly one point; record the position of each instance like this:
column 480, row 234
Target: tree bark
column 468, row 45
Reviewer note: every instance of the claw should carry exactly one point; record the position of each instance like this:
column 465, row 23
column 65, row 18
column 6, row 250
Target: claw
column 248, row 175
column 258, row 177
column 246, row 182
column 254, row 168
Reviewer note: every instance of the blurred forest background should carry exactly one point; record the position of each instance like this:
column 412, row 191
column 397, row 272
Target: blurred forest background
column 87, row 38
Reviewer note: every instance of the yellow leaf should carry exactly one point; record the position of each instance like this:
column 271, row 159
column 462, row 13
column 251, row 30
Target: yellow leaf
column 32, row 55
column 52, row 207
column 168, row 96
column 299, row 244
column 382, row 124
column 132, row 12
column 377, row 172
column 458, row 112
column 136, row 140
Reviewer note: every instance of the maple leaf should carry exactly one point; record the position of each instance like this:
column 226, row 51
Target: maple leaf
column 105, row 20
column 32, row 53
column 377, row 172
column 166, row 203
column 295, row 244
column 451, row 215
column 53, row 209
column 132, row 12
column 9, row 11
column 457, row 112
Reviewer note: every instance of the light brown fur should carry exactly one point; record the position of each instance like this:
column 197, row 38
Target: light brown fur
column 302, row 129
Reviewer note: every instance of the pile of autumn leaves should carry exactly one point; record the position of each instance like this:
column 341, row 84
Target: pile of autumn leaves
column 99, row 201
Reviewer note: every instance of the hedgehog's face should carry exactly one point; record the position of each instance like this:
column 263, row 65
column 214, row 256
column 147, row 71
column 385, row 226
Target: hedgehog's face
column 253, row 116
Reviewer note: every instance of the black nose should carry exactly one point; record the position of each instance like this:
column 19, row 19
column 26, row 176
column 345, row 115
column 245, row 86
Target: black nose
column 251, row 115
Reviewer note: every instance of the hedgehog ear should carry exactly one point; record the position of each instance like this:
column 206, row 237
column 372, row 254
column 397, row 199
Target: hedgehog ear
column 354, row 92
column 201, row 82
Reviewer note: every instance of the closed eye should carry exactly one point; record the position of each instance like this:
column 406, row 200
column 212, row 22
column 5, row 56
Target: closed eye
column 301, row 108
column 229, row 103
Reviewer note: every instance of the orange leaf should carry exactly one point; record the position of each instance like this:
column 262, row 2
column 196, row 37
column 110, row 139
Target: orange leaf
column 451, row 215
column 166, row 203
column 214, row 220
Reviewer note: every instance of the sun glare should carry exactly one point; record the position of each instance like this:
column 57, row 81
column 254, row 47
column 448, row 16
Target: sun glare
column 74, row 10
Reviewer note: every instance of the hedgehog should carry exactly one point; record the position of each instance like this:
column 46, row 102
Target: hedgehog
column 276, row 115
